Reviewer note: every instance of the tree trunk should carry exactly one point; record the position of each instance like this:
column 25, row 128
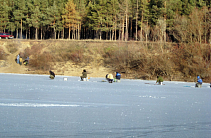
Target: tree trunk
column 147, row 34
column 123, row 29
column 100, row 34
column 136, row 26
column 21, row 29
column 69, row 33
column 78, row 35
column 73, row 32
column 54, row 32
column 29, row 33
column 131, row 29
column 142, row 18
column 110, row 33
column 63, row 33
column 58, row 35
column 115, row 29
column 126, row 27
column 36, row 34
column 41, row 33
column 165, row 23
column 26, row 33
column 137, row 21
column 17, row 34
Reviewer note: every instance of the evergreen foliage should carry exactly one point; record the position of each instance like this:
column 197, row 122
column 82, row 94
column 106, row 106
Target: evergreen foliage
column 143, row 20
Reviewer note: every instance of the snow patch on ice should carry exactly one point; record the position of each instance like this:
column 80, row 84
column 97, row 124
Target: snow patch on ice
column 149, row 96
column 36, row 105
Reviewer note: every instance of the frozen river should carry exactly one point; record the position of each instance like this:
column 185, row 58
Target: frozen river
column 33, row 106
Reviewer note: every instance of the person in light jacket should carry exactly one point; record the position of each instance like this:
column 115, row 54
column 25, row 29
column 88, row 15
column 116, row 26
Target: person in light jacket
column 110, row 78
column 17, row 59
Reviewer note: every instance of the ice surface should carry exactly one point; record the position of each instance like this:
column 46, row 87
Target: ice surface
column 33, row 106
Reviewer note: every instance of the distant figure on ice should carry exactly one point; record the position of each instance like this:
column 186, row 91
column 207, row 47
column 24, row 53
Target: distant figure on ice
column 17, row 59
column 118, row 77
column 84, row 75
column 199, row 82
column 20, row 61
column 52, row 74
column 26, row 61
column 110, row 78
column 159, row 80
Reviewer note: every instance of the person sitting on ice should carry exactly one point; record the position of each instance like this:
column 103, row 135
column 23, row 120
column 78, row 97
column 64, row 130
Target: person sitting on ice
column 159, row 80
column 52, row 74
column 110, row 77
column 84, row 75
column 199, row 82
column 118, row 77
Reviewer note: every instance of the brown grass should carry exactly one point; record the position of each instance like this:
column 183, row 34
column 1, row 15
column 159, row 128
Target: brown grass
column 133, row 59
column 3, row 55
column 12, row 47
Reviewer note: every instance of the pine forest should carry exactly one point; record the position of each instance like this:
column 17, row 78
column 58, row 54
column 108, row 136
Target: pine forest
column 180, row 21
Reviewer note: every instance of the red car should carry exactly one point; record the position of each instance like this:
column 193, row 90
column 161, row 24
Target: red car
column 6, row 36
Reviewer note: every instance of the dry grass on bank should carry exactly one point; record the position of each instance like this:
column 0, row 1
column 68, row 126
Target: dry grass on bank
column 133, row 59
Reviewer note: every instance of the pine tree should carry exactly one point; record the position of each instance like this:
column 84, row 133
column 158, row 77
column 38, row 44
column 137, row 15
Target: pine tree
column 80, row 8
column 44, row 17
column 59, row 24
column 92, row 20
column 144, row 19
column 114, row 23
column 4, row 15
column 70, row 16
column 208, row 3
column 101, row 12
column 19, row 12
column 53, row 17
column 28, row 22
column 35, row 17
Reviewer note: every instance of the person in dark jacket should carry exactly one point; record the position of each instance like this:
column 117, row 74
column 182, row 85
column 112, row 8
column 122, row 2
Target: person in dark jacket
column 118, row 77
column 159, row 80
column 26, row 61
column 199, row 82
column 52, row 74
column 84, row 75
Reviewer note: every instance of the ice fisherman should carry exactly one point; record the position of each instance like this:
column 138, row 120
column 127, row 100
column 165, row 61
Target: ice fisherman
column 159, row 80
column 20, row 61
column 26, row 61
column 110, row 77
column 84, row 75
column 199, row 82
column 18, row 57
column 118, row 77
column 52, row 74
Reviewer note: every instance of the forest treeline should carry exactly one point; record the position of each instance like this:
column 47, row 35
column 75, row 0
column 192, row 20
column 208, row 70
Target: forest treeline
column 182, row 21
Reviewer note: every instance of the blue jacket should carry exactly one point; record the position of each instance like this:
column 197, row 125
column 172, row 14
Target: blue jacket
column 199, row 80
column 118, row 76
